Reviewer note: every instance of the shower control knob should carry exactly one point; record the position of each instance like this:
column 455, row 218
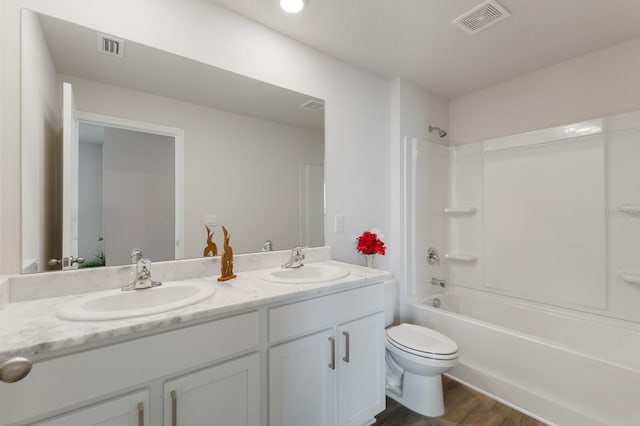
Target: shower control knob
column 14, row 369
column 432, row 256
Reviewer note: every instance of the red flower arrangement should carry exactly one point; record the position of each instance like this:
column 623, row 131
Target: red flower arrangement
column 371, row 242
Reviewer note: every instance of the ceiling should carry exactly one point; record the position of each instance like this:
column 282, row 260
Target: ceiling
column 74, row 52
column 415, row 40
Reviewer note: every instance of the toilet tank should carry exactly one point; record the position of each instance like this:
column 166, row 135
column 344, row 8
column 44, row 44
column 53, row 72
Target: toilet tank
column 390, row 297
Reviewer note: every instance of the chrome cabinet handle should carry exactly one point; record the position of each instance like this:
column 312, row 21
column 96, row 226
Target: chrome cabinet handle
column 345, row 358
column 140, row 414
column 15, row 369
column 174, row 408
column 332, row 365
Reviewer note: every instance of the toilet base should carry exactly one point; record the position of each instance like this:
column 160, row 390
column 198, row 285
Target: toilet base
column 422, row 394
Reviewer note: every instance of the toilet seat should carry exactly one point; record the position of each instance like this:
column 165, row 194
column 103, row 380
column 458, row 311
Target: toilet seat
column 422, row 342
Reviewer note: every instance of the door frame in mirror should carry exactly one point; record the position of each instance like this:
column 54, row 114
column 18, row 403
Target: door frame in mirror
column 178, row 135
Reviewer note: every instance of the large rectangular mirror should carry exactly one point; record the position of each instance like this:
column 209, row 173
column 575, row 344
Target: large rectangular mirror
column 156, row 146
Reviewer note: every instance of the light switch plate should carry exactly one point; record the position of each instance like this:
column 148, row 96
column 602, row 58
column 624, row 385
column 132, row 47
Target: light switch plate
column 211, row 220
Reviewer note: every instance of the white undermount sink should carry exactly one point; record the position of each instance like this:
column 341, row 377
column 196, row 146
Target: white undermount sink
column 117, row 304
column 307, row 274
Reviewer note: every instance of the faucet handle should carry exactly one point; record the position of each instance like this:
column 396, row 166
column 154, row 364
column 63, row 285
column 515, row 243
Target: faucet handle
column 296, row 258
column 143, row 269
column 136, row 255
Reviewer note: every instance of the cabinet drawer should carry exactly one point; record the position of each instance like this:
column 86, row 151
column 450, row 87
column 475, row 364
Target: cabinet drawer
column 302, row 318
column 107, row 370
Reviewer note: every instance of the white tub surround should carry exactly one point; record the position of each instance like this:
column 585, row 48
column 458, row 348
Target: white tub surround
column 558, row 365
column 553, row 225
column 557, row 218
column 218, row 350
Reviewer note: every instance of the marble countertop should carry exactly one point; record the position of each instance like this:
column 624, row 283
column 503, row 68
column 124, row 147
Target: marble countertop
column 31, row 328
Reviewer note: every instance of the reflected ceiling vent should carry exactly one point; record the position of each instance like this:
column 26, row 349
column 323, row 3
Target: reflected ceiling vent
column 313, row 105
column 110, row 45
column 482, row 16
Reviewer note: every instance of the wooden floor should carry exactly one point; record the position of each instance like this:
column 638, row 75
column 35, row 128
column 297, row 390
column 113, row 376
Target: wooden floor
column 463, row 406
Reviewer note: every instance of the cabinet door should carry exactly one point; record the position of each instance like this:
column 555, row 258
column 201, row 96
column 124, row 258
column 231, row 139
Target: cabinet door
column 225, row 394
column 128, row 410
column 302, row 381
column 361, row 370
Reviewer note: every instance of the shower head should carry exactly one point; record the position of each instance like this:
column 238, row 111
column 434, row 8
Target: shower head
column 441, row 133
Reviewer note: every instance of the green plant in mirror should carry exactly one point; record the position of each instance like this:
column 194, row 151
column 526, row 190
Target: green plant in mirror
column 99, row 260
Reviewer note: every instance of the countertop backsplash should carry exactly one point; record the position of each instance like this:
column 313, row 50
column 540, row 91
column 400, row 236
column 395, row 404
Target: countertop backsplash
column 20, row 288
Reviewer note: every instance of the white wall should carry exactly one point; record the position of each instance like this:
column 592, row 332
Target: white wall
column 357, row 102
column 595, row 85
column 244, row 170
column 139, row 195
column 40, row 129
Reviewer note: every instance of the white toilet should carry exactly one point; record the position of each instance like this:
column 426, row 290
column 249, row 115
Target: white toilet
column 416, row 357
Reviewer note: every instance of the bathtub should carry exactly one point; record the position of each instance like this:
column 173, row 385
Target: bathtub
column 559, row 366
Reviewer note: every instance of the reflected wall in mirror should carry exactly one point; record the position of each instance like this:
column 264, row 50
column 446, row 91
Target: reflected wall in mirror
column 252, row 155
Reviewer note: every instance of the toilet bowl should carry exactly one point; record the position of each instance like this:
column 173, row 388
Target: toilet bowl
column 416, row 357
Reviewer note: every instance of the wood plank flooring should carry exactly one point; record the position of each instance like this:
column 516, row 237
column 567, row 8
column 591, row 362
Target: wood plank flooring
column 463, row 406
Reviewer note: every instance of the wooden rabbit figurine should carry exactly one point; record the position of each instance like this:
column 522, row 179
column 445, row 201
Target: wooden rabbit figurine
column 226, row 262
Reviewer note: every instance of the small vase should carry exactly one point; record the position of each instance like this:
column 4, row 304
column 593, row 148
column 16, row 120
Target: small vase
column 368, row 258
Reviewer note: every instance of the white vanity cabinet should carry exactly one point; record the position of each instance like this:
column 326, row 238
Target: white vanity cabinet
column 311, row 359
column 84, row 384
column 326, row 362
column 361, row 374
column 225, row 394
column 302, row 382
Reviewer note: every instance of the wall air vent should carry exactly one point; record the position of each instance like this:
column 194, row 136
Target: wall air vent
column 313, row 105
column 110, row 45
column 482, row 16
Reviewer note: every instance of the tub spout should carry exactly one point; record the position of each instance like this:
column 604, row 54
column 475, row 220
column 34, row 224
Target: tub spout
column 438, row 281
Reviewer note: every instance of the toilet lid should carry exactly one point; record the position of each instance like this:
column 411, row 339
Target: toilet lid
column 421, row 339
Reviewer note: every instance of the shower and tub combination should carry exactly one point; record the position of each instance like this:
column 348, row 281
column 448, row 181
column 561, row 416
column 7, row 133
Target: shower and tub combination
column 538, row 237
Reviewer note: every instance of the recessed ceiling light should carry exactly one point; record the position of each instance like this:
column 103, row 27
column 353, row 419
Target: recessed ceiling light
column 292, row 6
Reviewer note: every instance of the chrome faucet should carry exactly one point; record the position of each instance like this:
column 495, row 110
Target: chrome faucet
column 142, row 280
column 136, row 255
column 297, row 256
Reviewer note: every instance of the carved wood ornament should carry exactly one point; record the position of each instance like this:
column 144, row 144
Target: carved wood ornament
column 211, row 249
column 226, row 261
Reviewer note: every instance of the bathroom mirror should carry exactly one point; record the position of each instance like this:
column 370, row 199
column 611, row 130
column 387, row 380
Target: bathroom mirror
column 165, row 145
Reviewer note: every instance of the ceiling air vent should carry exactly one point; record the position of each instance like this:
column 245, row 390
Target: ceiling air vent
column 313, row 105
column 110, row 45
column 482, row 16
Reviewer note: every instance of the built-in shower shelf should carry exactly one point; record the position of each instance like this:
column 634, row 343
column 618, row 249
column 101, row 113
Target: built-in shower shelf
column 630, row 277
column 460, row 210
column 459, row 257
column 630, row 209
